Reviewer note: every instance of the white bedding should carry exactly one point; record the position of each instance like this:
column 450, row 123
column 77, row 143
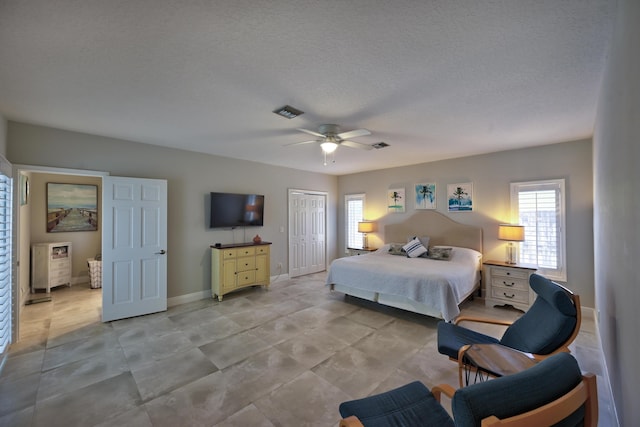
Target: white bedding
column 442, row 285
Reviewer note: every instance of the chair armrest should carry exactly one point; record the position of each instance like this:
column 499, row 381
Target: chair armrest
column 351, row 421
column 482, row 320
column 443, row 388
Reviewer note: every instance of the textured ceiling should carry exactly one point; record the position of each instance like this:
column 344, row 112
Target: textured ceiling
column 434, row 79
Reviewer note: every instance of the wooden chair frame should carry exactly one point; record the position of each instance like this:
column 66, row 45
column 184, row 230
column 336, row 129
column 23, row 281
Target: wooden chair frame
column 585, row 393
column 563, row 348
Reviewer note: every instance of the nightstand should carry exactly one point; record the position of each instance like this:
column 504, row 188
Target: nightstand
column 509, row 284
column 361, row 251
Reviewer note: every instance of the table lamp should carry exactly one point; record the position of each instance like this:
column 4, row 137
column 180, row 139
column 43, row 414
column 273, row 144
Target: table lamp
column 511, row 233
column 365, row 227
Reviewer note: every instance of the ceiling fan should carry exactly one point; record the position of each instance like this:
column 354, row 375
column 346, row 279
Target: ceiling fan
column 329, row 137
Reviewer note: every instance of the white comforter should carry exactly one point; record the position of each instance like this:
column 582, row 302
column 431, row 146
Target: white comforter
column 442, row 285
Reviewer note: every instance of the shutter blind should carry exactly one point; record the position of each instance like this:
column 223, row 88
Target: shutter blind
column 354, row 207
column 5, row 260
column 539, row 206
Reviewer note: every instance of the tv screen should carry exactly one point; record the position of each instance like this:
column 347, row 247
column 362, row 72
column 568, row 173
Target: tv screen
column 230, row 210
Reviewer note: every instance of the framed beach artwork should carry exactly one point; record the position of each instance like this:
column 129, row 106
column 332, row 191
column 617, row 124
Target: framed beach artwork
column 460, row 197
column 71, row 207
column 395, row 200
column 425, row 195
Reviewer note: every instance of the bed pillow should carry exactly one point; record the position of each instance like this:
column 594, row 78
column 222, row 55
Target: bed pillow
column 396, row 249
column 414, row 248
column 423, row 239
column 441, row 254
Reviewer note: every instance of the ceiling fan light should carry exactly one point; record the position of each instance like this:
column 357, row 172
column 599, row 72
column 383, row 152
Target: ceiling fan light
column 329, row 147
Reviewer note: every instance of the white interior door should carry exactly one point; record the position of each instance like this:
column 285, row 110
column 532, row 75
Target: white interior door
column 307, row 240
column 134, row 242
column 317, row 249
column 297, row 235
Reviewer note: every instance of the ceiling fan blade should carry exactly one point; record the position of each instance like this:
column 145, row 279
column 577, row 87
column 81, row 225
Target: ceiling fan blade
column 310, row 132
column 300, row 143
column 354, row 144
column 353, row 133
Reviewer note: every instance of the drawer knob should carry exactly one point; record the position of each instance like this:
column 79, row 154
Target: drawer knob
column 508, row 273
column 508, row 296
column 508, row 284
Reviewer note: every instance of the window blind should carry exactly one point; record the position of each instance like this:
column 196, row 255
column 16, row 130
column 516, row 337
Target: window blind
column 539, row 207
column 354, row 212
column 6, row 183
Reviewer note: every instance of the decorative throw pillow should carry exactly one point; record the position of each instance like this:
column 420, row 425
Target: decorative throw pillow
column 396, row 249
column 414, row 248
column 443, row 254
column 423, row 239
column 425, row 242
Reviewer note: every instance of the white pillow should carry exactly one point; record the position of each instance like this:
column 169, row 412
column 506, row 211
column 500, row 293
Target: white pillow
column 414, row 248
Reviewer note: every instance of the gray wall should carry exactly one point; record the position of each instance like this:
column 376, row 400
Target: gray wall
column 191, row 176
column 617, row 212
column 491, row 175
column 3, row 136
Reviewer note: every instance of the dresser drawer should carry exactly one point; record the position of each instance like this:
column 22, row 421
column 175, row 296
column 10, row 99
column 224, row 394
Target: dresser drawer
column 248, row 251
column 510, row 272
column 262, row 250
column 510, row 295
column 510, row 282
column 229, row 253
column 244, row 264
column 246, row 278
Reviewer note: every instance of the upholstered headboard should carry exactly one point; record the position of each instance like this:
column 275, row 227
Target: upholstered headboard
column 441, row 230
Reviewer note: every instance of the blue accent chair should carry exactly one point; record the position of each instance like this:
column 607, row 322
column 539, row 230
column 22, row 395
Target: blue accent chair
column 553, row 392
column 548, row 327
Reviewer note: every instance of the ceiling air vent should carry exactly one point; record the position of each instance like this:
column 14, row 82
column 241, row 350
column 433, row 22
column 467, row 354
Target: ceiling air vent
column 379, row 145
column 288, row 111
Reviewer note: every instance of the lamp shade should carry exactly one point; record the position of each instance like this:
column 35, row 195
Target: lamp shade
column 511, row 233
column 366, row 227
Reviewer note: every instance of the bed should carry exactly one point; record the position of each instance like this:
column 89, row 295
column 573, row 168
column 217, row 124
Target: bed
column 426, row 286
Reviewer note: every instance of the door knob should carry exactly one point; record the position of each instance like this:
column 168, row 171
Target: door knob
column 162, row 252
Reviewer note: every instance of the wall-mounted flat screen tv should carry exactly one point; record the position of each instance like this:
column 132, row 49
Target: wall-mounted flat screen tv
column 229, row 210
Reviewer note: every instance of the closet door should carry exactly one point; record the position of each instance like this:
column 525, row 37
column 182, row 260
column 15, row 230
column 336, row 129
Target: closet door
column 307, row 240
column 298, row 262
column 317, row 250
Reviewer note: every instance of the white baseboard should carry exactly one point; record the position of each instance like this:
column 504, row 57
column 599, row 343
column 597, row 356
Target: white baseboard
column 196, row 296
column 183, row 299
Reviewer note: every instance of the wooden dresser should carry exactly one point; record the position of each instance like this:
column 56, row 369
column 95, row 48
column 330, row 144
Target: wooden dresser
column 50, row 265
column 237, row 266
column 509, row 284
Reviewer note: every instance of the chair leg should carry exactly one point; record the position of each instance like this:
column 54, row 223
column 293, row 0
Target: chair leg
column 461, row 365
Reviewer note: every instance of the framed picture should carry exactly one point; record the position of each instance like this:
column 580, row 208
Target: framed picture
column 425, row 195
column 71, row 207
column 24, row 189
column 460, row 197
column 395, row 200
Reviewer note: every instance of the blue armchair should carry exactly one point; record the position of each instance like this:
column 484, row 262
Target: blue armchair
column 553, row 392
column 548, row 327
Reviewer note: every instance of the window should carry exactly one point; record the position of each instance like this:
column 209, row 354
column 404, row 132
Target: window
column 539, row 206
column 354, row 213
column 5, row 256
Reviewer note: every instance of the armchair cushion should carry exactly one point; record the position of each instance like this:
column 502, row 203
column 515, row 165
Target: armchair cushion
column 527, row 390
column 451, row 337
column 547, row 324
column 409, row 405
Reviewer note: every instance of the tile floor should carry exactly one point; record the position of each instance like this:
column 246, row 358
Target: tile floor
column 283, row 357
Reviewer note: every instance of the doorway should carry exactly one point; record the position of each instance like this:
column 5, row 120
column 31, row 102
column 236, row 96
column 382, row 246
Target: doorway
column 307, row 232
column 30, row 226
